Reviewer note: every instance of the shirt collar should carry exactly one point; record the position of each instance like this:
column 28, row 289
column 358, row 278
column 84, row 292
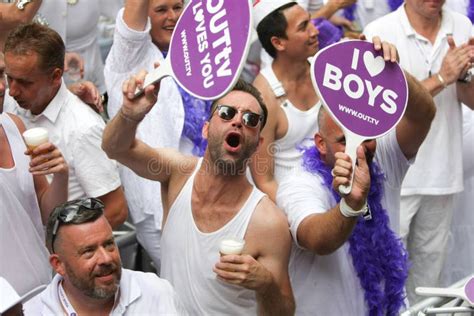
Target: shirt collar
column 54, row 107
column 447, row 23
column 129, row 292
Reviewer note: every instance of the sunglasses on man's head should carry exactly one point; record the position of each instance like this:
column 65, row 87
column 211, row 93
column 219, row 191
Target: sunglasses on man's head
column 69, row 212
column 249, row 119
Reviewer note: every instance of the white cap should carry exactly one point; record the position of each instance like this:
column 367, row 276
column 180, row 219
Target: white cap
column 262, row 8
column 9, row 297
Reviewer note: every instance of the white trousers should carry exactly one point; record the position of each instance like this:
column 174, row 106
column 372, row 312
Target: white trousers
column 425, row 222
column 150, row 238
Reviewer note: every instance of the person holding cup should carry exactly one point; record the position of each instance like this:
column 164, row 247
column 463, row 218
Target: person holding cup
column 34, row 65
column 208, row 199
column 27, row 200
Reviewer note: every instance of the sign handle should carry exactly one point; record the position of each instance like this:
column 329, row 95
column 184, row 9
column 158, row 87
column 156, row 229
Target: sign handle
column 466, row 292
column 352, row 142
column 156, row 75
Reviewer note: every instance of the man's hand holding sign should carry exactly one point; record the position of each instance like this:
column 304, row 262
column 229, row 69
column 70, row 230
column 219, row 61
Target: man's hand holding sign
column 361, row 85
column 208, row 48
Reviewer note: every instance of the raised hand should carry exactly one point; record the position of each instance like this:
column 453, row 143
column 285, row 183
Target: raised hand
column 342, row 175
column 135, row 108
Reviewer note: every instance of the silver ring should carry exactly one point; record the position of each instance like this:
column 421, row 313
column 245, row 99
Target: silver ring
column 332, row 172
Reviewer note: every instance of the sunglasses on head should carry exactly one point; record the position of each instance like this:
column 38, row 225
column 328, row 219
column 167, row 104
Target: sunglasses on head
column 69, row 212
column 249, row 119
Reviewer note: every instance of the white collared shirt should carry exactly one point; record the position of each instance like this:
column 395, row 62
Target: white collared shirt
column 438, row 169
column 140, row 294
column 77, row 131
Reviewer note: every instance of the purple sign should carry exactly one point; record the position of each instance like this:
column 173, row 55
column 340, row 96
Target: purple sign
column 469, row 291
column 209, row 46
column 365, row 95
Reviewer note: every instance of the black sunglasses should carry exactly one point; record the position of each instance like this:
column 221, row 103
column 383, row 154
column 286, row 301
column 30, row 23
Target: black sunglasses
column 69, row 212
column 227, row 112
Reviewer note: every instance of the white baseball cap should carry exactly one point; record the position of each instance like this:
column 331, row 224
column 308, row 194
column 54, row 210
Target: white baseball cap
column 9, row 297
column 262, row 8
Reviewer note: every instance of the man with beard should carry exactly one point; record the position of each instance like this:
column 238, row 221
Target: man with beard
column 89, row 279
column 208, row 199
column 346, row 259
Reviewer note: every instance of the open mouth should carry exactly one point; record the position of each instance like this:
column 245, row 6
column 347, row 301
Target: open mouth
column 233, row 140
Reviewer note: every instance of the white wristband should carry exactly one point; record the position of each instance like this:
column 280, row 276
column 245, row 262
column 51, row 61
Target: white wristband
column 347, row 211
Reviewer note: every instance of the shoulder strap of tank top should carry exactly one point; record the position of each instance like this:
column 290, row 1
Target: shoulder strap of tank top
column 273, row 81
column 15, row 139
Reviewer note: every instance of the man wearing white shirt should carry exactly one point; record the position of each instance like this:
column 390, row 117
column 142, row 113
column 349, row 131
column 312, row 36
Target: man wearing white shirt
column 436, row 46
column 90, row 280
column 34, row 61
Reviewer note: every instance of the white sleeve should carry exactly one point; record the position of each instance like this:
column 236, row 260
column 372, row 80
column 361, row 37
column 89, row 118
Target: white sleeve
column 97, row 174
column 129, row 46
column 391, row 159
column 300, row 196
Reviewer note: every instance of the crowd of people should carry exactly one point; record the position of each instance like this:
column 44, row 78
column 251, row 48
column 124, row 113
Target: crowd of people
column 262, row 164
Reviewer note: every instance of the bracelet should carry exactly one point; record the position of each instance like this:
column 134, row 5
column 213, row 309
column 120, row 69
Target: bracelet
column 442, row 81
column 22, row 3
column 347, row 211
column 128, row 118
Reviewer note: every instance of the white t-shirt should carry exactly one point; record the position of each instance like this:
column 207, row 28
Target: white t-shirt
column 328, row 285
column 140, row 294
column 438, row 169
column 131, row 52
column 77, row 131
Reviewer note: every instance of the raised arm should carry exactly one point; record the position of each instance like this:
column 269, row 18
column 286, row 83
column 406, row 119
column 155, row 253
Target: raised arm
column 262, row 165
column 324, row 231
column 11, row 16
column 136, row 14
column 119, row 140
column 331, row 7
column 415, row 124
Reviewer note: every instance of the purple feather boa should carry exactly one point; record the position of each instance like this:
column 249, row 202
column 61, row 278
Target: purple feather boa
column 349, row 11
column 378, row 255
column 470, row 11
column 196, row 113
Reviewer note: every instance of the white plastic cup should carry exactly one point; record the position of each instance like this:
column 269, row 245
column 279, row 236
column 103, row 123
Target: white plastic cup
column 231, row 246
column 74, row 72
column 35, row 137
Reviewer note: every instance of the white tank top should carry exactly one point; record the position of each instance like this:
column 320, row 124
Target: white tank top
column 188, row 256
column 302, row 125
column 21, row 231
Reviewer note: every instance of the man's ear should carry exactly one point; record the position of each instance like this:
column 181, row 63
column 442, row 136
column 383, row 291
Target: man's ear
column 57, row 264
column 57, row 75
column 205, row 130
column 320, row 143
column 278, row 43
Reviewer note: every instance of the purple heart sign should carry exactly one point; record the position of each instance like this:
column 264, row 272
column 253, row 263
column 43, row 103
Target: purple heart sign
column 208, row 48
column 364, row 94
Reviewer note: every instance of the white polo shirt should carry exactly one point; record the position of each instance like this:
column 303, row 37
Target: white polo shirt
column 77, row 131
column 140, row 294
column 438, row 168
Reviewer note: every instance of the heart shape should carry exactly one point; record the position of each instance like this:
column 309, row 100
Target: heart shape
column 374, row 65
